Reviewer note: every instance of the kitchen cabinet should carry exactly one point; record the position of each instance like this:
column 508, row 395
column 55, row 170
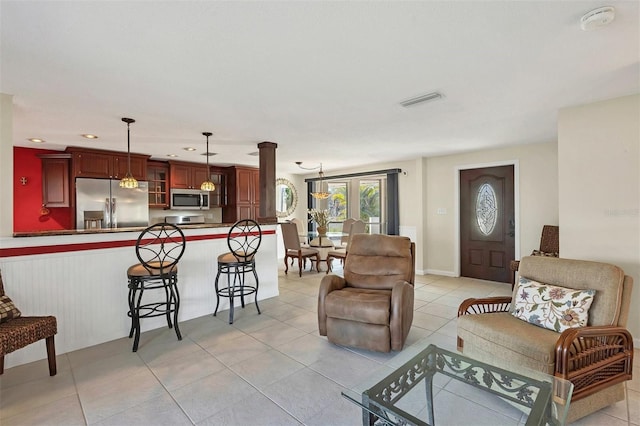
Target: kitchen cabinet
column 218, row 197
column 55, row 180
column 158, row 178
column 187, row 175
column 243, row 194
column 91, row 163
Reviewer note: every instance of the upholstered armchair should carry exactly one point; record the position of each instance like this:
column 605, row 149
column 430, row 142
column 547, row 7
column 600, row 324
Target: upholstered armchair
column 595, row 353
column 372, row 306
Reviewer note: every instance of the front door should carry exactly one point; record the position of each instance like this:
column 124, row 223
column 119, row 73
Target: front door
column 487, row 223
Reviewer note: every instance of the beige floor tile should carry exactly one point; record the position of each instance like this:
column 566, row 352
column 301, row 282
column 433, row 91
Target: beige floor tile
column 36, row 370
column 304, row 394
column 308, row 349
column 450, row 409
column 178, row 372
column 160, row 411
column 286, row 312
column 345, row 368
column 248, row 321
column 428, row 321
column 440, row 310
column 117, row 396
column 260, row 411
column 66, row 411
column 307, row 322
column 277, row 335
column 161, row 352
column 238, row 350
column 205, row 397
column 266, row 368
column 113, row 369
column 98, row 352
column 35, row 394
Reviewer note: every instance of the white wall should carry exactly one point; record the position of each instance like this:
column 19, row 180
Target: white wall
column 599, row 158
column 538, row 198
column 6, row 161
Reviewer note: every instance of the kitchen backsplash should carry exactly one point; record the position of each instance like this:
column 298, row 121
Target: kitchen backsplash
column 213, row 215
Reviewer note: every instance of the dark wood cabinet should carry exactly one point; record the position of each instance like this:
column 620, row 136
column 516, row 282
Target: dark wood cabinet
column 106, row 164
column 55, row 180
column 243, row 186
column 187, row 175
column 158, row 178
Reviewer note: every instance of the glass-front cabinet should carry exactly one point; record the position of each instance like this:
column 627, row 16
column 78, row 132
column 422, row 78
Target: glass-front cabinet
column 157, row 175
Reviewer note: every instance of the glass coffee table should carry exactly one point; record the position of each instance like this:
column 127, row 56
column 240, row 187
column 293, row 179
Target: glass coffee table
column 392, row 401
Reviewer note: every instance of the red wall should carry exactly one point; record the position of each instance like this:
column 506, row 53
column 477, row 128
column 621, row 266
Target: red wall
column 27, row 199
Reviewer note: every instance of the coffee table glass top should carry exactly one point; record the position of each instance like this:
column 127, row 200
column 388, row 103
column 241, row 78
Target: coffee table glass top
column 415, row 393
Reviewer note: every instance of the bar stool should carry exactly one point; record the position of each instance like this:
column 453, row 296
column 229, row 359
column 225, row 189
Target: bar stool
column 243, row 241
column 159, row 248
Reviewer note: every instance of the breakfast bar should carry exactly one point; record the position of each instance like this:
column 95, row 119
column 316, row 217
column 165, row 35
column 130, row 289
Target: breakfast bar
column 80, row 277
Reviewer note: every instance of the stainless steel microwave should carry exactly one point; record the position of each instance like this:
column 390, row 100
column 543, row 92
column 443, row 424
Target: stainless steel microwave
column 189, row 199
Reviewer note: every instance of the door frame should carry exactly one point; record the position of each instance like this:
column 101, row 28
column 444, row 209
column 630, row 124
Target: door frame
column 456, row 205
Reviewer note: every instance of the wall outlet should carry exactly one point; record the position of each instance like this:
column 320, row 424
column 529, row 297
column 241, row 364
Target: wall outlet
column 442, row 210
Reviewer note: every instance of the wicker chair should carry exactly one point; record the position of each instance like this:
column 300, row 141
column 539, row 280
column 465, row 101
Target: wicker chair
column 596, row 358
column 549, row 246
column 17, row 331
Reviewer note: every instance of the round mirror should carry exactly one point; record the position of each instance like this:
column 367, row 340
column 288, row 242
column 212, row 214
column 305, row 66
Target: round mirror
column 286, row 197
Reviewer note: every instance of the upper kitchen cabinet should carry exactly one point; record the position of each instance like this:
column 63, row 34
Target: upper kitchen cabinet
column 158, row 177
column 243, row 186
column 93, row 163
column 187, row 175
column 55, row 180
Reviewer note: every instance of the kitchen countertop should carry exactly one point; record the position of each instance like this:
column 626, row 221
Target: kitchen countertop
column 111, row 230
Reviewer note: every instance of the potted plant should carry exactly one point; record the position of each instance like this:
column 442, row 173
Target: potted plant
column 321, row 218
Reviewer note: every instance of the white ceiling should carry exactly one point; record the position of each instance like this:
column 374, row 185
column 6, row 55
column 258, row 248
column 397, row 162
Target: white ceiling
column 321, row 79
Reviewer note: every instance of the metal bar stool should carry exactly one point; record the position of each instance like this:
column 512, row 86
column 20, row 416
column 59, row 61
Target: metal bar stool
column 243, row 240
column 159, row 248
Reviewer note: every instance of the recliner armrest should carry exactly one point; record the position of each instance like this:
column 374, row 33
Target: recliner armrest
column 328, row 284
column 593, row 358
column 401, row 315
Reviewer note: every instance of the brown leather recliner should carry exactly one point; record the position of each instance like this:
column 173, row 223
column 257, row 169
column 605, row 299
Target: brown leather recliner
column 372, row 306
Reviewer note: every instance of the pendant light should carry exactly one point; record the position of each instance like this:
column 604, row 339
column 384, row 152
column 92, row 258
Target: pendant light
column 318, row 195
column 128, row 181
column 207, row 185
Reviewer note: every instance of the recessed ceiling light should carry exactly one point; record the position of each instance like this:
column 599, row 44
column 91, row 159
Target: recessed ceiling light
column 189, row 148
column 89, row 136
column 420, row 99
column 36, row 140
column 209, row 154
column 171, row 155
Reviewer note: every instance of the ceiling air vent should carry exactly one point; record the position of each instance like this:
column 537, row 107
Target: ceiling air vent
column 420, row 99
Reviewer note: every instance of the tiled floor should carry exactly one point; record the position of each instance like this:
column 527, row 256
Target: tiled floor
column 269, row 369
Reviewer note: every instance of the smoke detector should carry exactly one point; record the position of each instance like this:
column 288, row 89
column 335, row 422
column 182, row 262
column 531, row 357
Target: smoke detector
column 597, row 18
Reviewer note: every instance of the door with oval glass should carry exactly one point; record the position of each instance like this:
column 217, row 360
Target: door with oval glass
column 487, row 222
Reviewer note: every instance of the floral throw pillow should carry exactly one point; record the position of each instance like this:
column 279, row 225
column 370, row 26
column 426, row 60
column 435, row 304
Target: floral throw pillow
column 553, row 307
column 7, row 309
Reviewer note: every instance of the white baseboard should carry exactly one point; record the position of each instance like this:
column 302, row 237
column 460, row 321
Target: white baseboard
column 443, row 273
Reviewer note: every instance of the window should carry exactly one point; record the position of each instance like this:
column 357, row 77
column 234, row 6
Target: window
column 369, row 196
column 370, row 207
column 337, row 204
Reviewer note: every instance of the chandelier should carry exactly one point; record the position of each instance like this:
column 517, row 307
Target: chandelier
column 207, row 185
column 128, row 181
column 318, row 195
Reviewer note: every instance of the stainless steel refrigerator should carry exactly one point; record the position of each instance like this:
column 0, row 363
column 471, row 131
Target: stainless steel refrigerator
column 101, row 203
